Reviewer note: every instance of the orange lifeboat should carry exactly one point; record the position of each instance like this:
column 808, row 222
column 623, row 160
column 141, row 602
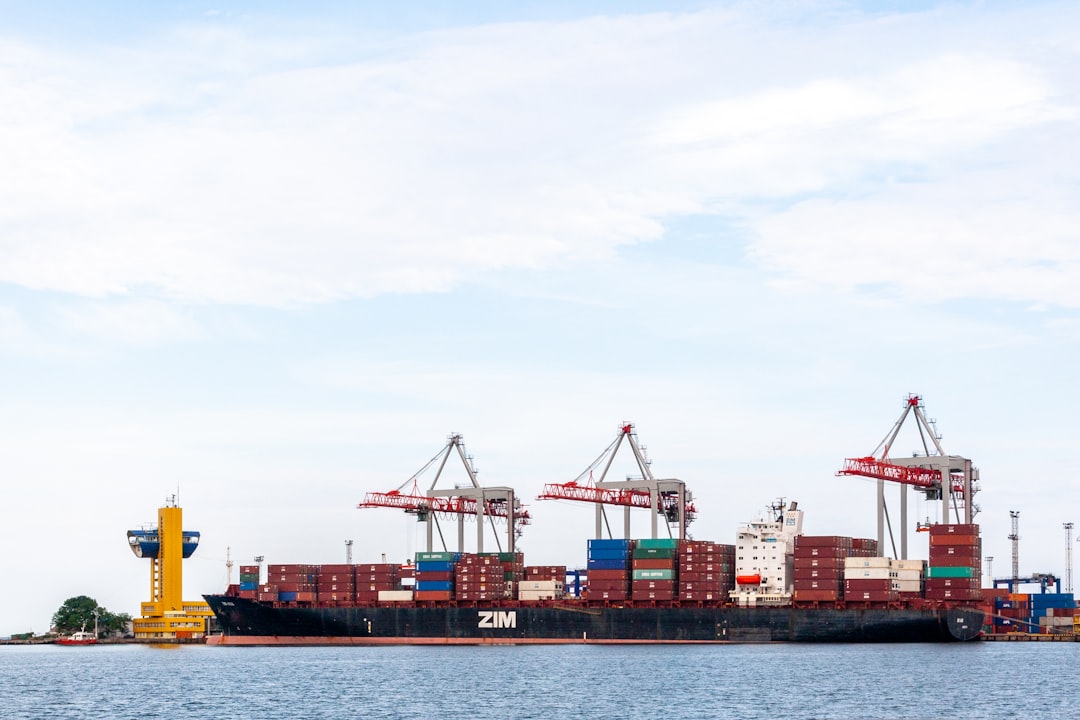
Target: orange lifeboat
column 748, row 579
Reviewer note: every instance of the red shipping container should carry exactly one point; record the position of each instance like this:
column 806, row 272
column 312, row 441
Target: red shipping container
column 296, row 586
column 871, row 596
column 609, row 575
column 700, row 585
column 823, row 541
column 422, row 595
column 817, row 573
column 707, row 576
column 866, row 585
column 653, row 564
column 249, row 594
column 954, row 561
column 834, row 584
column 954, row 594
column 818, row 562
column 701, row 595
column 969, row 540
column 816, row 595
column 446, row 576
column 640, row 585
column 954, row 529
column 663, row 595
column 692, row 567
column 608, row 594
column 605, row 585
column 959, row 583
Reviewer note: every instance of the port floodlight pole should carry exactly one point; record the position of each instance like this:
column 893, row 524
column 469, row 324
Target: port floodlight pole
column 990, row 569
column 1068, row 556
column 1014, row 536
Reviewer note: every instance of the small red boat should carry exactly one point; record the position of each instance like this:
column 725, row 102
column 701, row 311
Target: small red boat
column 78, row 638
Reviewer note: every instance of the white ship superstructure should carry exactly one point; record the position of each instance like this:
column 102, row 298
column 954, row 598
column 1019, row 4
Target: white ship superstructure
column 764, row 549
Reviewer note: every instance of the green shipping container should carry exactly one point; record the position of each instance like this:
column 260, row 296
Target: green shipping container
column 655, row 553
column 435, row 557
column 659, row 543
column 950, row 572
column 654, row 574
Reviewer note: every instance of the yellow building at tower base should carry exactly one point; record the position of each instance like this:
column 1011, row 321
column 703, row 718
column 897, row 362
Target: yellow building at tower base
column 167, row 616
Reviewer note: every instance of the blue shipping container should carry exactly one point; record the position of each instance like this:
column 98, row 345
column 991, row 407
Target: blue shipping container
column 286, row 596
column 434, row 566
column 444, row 585
column 608, row 553
column 609, row 564
column 249, row 586
column 626, row 545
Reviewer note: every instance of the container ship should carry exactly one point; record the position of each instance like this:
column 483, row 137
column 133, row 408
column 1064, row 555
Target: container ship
column 775, row 584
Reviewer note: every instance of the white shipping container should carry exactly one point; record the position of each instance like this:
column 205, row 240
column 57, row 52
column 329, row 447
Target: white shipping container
column 907, row 585
column 538, row 594
column 395, row 595
column 915, row 575
column 870, row 573
column 544, row 585
column 867, row 562
column 909, row 565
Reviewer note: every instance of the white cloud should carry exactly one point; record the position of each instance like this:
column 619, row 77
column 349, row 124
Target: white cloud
column 138, row 322
column 271, row 176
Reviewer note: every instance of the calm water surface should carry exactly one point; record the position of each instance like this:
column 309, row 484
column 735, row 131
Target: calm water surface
column 778, row 682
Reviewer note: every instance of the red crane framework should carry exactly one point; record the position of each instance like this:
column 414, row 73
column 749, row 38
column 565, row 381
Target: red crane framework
column 667, row 497
column 949, row 478
column 460, row 503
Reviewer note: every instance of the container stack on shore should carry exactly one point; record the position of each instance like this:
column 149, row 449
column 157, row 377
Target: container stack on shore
column 954, row 570
column 654, row 565
column 609, row 569
column 706, row 570
column 1047, row 613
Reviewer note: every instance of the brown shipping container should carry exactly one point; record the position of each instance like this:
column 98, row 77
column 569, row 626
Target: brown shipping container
column 653, row 595
column 969, row 540
column 296, row 587
column 819, row 562
column 653, row 564
column 865, row 544
column 378, row 578
column 957, row 550
column 337, row 596
column 692, row 567
column 871, row 596
column 822, row 541
column 250, row 569
column 834, row 584
column 267, row 596
column 422, row 595
column 865, row 585
column 340, row 568
column 954, row 561
column 816, row 595
column 249, row 594
column 817, row 574
column 954, row 529
column 608, row 594
column 954, row 594
column 958, row 583
column 707, row 576
column 639, row 585
column 701, row 595
column 608, row 575
column 821, row 552
column 446, row 576
column 605, row 585
column 700, row 584
column 690, row 547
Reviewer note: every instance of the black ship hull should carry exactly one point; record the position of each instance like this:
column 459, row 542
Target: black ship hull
column 247, row 622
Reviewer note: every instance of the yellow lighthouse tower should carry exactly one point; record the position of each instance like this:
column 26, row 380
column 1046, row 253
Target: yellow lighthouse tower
column 167, row 615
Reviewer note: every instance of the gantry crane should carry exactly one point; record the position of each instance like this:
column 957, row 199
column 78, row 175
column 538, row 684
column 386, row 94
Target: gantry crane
column 667, row 497
column 481, row 502
column 949, row 478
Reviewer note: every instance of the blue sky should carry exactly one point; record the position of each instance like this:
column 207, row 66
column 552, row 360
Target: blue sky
column 274, row 258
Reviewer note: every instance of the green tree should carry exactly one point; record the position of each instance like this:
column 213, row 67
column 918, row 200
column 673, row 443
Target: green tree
column 79, row 612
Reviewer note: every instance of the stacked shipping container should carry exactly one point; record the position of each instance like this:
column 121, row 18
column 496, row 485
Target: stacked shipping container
column 373, row 581
column 609, row 569
column 294, row 583
column 653, row 567
column 706, row 570
column 435, row 575
column 954, row 569
column 488, row 576
column 818, row 570
column 249, row 581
